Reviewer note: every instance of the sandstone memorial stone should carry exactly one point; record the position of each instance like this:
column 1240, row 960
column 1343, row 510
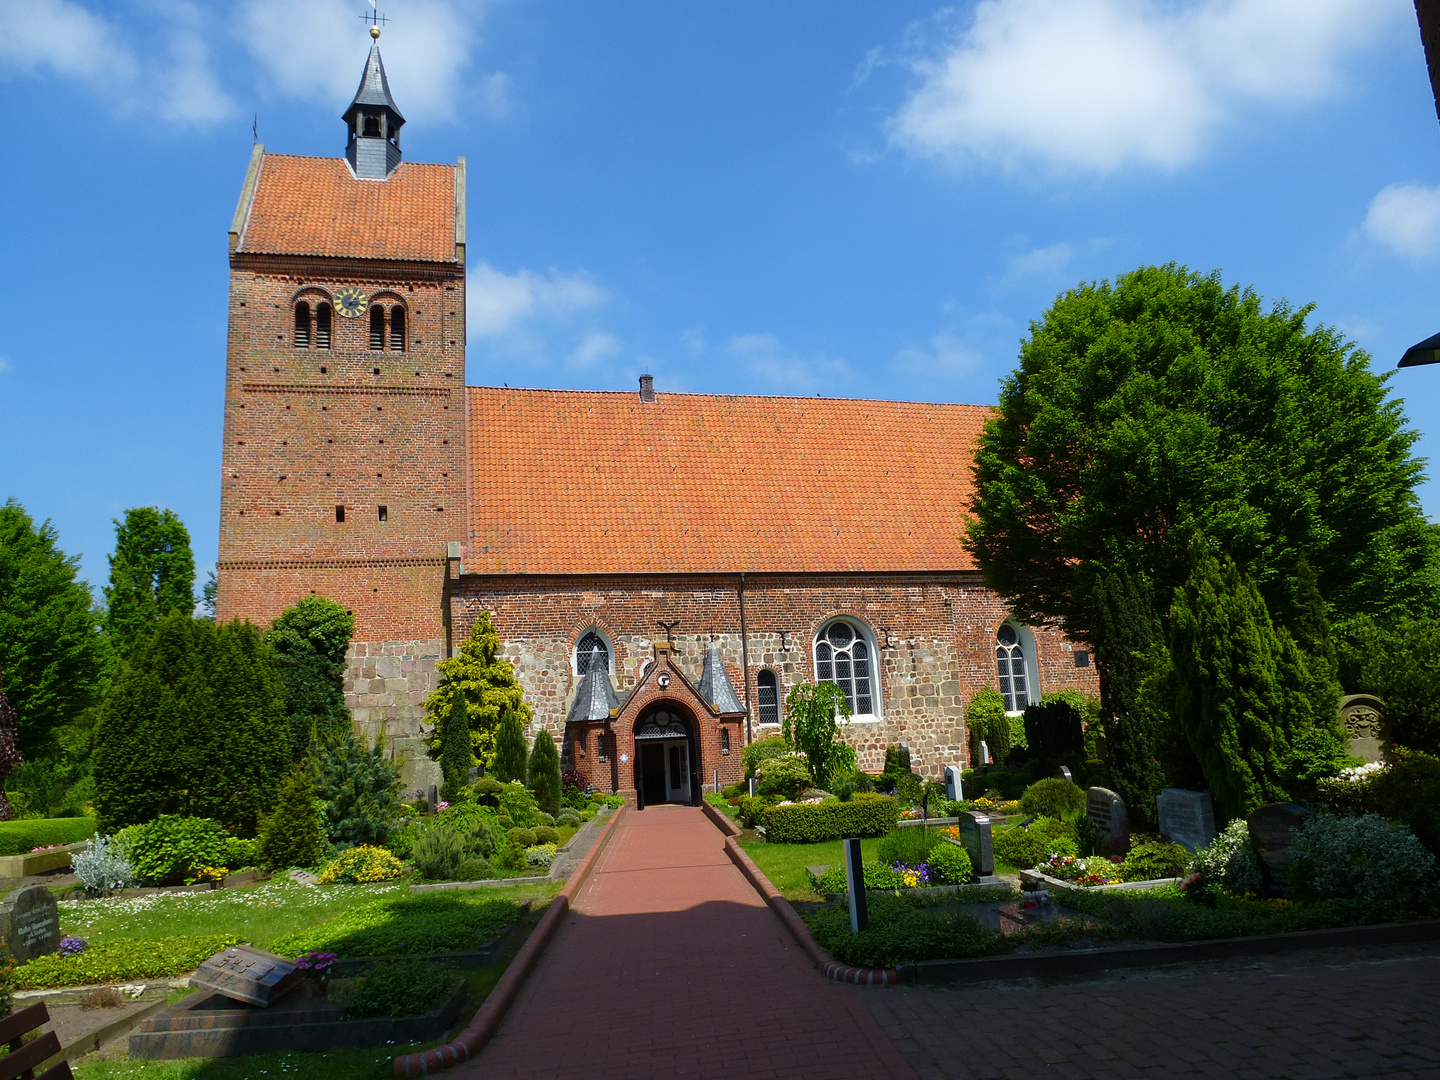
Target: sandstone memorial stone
column 975, row 838
column 30, row 922
column 242, row 973
column 1186, row 817
column 1107, row 812
column 1270, row 832
column 1364, row 716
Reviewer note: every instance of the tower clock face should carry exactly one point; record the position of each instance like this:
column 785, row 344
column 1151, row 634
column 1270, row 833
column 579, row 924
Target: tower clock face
column 351, row 302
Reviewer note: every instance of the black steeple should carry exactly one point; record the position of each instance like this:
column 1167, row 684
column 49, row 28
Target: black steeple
column 374, row 122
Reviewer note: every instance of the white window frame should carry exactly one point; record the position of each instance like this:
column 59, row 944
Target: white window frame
column 862, row 633
column 1025, row 640
column 609, row 650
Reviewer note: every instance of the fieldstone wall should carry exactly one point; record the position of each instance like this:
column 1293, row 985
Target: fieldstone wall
column 386, row 684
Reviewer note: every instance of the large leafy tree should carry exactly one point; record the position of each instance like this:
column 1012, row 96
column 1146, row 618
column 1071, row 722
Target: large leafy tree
column 488, row 684
column 152, row 573
column 51, row 648
column 1164, row 404
column 309, row 642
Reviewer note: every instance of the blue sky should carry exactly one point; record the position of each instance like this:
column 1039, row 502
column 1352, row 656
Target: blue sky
column 857, row 199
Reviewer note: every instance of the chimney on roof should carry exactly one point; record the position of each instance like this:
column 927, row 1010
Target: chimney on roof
column 647, row 387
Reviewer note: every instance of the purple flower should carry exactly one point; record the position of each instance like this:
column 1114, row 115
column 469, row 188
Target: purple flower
column 317, row 963
column 73, row 946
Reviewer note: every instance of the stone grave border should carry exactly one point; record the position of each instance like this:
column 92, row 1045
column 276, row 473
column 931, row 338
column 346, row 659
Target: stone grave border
column 497, row 1003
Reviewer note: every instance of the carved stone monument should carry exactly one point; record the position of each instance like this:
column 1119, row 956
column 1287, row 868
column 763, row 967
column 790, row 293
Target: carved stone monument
column 1186, row 817
column 246, row 974
column 1106, row 811
column 975, row 838
column 30, row 922
column 1270, row 832
column 1364, row 718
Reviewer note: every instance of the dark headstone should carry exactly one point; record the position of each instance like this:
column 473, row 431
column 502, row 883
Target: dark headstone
column 1364, row 717
column 1270, row 832
column 1186, row 817
column 1107, row 813
column 30, row 922
column 976, row 840
column 246, row 974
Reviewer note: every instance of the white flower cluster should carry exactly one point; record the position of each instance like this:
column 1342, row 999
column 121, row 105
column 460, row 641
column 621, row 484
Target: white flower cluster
column 1356, row 773
column 1229, row 861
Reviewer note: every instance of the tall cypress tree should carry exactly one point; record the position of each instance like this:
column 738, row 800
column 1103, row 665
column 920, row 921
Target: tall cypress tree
column 489, row 686
column 545, row 773
column 509, row 761
column 456, row 757
column 1127, row 647
column 152, row 573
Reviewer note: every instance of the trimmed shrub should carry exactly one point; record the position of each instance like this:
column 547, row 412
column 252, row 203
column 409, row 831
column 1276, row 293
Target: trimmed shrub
column 398, row 988
column 361, row 866
column 488, row 785
column 20, row 837
column 541, row 855
column 509, row 764
column 568, row 819
column 1024, row 848
column 438, row 853
column 864, row 815
column 170, row 849
column 544, row 773
column 241, row 854
column 546, row 834
column 1369, row 858
column 949, row 864
column 909, row 846
column 122, row 961
column 877, row 876
column 542, row 818
column 752, row 811
column 1053, row 797
column 475, row 870
column 477, row 826
column 358, row 787
column 523, row 837
column 517, row 801
column 1408, row 790
column 1151, row 858
column 1229, row 861
column 294, row 835
column 103, row 867
column 762, row 750
column 784, row 776
column 1055, row 731
column 986, row 721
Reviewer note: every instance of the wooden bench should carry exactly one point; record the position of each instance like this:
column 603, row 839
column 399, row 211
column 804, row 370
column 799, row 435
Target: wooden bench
column 23, row 1058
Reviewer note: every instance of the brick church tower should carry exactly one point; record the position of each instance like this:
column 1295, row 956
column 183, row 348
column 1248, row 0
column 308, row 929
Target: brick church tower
column 344, row 456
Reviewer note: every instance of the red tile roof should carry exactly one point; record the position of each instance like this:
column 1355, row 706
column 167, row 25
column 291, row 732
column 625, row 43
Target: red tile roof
column 314, row 206
column 568, row 481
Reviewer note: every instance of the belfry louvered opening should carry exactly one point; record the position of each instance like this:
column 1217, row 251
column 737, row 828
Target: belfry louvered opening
column 377, row 327
column 302, row 325
column 322, row 326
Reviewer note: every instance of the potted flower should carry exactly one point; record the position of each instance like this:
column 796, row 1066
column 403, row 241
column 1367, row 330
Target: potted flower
column 317, row 967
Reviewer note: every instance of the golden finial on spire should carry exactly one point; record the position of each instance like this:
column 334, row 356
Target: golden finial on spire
column 375, row 32
column 375, row 19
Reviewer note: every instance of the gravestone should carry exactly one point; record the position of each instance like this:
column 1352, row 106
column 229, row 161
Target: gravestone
column 246, row 974
column 975, row 838
column 1364, row 717
column 1270, row 832
column 30, row 922
column 1107, row 813
column 1186, row 817
column 1064, row 774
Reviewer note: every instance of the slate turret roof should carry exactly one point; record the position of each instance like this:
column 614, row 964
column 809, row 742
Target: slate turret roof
column 374, row 87
column 715, row 686
column 596, row 696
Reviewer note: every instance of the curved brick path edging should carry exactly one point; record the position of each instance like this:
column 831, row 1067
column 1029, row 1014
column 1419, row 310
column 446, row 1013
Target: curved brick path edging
column 480, row 1029
column 829, row 966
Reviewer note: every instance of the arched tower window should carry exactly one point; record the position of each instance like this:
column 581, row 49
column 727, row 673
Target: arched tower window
column 397, row 328
column 377, row 327
column 302, row 325
column 768, row 697
column 586, row 654
column 322, row 326
column 372, row 127
column 845, row 656
column 1014, row 664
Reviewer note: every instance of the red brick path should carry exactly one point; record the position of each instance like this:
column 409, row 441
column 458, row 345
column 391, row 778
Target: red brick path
column 671, row 965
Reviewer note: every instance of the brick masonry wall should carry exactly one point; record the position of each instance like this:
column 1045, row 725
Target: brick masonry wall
column 936, row 637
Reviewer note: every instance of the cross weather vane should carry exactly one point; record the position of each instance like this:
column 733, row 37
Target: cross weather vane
column 375, row 19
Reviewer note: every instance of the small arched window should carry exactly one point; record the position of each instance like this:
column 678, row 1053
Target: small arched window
column 768, row 697
column 591, row 649
column 302, row 325
column 377, row 327
column 844, row 655
column 397, row 328
column 1012, row 665
column 372, row 126
column 322, row 326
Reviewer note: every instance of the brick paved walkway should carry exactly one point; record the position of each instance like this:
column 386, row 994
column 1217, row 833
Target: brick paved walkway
column 671, row 965
column 1307, row 1016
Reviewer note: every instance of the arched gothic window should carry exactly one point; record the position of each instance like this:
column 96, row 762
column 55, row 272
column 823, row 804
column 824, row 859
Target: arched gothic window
column 844, row 655
column 1012, row 664
column 322, row 326
column 768, row 696
column 585, row 654
column 397, row 328
column 377, row 327
column 302, row 325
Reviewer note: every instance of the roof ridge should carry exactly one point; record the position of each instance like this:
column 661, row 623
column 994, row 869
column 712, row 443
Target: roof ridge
column 341, row 160
column 745, row 397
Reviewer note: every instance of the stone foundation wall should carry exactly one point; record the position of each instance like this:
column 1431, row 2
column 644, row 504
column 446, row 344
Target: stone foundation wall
column 386, row 684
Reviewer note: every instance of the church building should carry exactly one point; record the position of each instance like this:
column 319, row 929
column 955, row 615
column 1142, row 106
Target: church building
column 661, row 568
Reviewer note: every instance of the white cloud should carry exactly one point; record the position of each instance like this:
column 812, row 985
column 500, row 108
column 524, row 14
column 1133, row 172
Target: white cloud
column 765, row 359
column 1094, row 85
column 947, row 360
column 595, row 346
column 497, row 302
column 1038, row 262
column 1406, row 219
column 4, row 365
column 316, row 50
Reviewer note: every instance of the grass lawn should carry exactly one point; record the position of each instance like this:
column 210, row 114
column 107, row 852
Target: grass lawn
column 784, row 864
column 718, row 801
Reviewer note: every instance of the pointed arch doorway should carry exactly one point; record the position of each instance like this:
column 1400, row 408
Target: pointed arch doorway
column 667, row 759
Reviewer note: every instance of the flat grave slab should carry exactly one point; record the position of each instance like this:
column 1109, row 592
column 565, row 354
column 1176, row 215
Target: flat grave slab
column 248, row 975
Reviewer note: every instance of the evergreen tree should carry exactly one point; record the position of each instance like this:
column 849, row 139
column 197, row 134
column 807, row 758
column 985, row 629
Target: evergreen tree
column 358, row 789
column 294, row 834
column 545, row 773
column 9, row 756
column 986, row 722
column 310, row 641
column 51, row 646
column 1128, row 648
column 152, row 573
column 488, row 685
column 509, row 761
column 456, row 758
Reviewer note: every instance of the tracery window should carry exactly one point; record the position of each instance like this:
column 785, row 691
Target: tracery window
column 844, row 655
column 1012, row 665
column 768, row 697
column 586, row 654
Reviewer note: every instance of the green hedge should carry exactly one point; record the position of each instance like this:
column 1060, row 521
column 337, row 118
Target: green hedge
column 21, row 837
column 811, row 823
column 122, row 961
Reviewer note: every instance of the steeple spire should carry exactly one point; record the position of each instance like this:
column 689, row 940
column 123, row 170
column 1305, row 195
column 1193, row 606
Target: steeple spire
column 373, row 121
